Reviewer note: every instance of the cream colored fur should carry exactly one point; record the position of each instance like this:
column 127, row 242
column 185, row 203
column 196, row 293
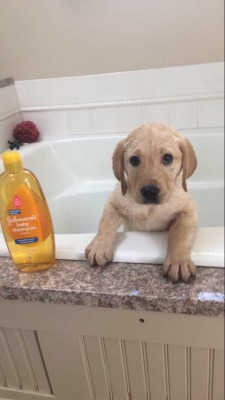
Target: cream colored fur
column 174, row 211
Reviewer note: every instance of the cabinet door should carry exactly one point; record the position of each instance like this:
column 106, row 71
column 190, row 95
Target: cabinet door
column 63, row 352
column 23, row 375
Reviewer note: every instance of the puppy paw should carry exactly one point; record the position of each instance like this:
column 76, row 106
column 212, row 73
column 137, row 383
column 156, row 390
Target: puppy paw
column 179, row 269
column 99, row 252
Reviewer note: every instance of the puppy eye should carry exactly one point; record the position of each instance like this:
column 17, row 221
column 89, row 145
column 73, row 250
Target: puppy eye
column 135, row 161
column 167, row 159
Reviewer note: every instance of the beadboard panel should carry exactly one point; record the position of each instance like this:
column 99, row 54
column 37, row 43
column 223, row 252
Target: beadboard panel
column 11, row 394
column 21, row 361
column 50, row 351
column 87, row 367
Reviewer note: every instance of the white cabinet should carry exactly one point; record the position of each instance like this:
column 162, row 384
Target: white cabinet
column 67, row 352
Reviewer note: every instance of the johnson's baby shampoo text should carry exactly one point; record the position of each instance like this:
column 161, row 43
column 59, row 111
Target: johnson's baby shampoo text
column 25, row 217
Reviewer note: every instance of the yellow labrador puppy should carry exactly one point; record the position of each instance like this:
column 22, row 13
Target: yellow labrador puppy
column 151, row 165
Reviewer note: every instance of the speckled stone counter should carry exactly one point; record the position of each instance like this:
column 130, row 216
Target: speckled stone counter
column 119, row 285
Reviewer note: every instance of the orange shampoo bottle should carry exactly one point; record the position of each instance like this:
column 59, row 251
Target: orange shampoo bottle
column 25, row 217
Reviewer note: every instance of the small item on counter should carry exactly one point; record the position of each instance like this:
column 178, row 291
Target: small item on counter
column 26, row 132
column 25, row 217
column 16, row 144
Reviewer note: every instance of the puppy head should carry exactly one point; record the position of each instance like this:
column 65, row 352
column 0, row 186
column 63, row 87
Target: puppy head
column 149, row 161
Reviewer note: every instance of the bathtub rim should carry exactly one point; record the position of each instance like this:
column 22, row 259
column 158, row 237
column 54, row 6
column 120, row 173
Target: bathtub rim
column 151, row 247
column 71, row 246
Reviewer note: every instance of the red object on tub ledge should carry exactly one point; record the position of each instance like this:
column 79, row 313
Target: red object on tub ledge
column 26, row 132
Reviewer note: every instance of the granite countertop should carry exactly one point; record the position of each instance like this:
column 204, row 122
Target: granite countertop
column 119, row 285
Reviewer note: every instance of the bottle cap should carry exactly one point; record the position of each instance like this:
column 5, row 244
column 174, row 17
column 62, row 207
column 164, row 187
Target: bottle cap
column 12, row 161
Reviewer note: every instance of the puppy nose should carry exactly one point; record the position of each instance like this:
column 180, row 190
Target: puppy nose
column 150, row 193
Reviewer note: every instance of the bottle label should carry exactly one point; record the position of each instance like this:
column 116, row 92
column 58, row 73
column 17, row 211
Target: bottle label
column 27, row 220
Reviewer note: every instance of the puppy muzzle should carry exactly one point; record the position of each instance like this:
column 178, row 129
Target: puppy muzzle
column 150, row 194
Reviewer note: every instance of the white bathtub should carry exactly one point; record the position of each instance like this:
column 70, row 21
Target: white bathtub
column 76, row 176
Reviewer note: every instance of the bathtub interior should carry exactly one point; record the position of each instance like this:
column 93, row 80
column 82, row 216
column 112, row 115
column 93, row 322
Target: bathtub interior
column 77, row 178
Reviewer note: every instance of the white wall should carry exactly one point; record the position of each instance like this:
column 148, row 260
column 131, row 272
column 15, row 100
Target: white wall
column 55, row 38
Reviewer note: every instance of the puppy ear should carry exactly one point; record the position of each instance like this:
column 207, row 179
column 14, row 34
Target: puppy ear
column 189, row 162
column 118, row 165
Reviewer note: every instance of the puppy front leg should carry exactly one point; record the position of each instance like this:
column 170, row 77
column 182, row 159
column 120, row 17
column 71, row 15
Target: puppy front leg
column 100, row 250
column 178, row 264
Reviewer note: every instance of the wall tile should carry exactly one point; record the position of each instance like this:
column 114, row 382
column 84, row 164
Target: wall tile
column 22, row 92
column 211, row 113
column 128, row 118
column 156, row 113
column 78, row 122
column 8, row 100
column 184, row 114
column 103, row 120
column 113, row 87
column 139, row 84
column 63, row 91
column 198, row 79
column 49, row 123
column 218, row 70
column 60, row 123
column 169, row 82
column 54, row 123
column 38, row 93
column 88, row 88
column 8, row 105
column 125, row 86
